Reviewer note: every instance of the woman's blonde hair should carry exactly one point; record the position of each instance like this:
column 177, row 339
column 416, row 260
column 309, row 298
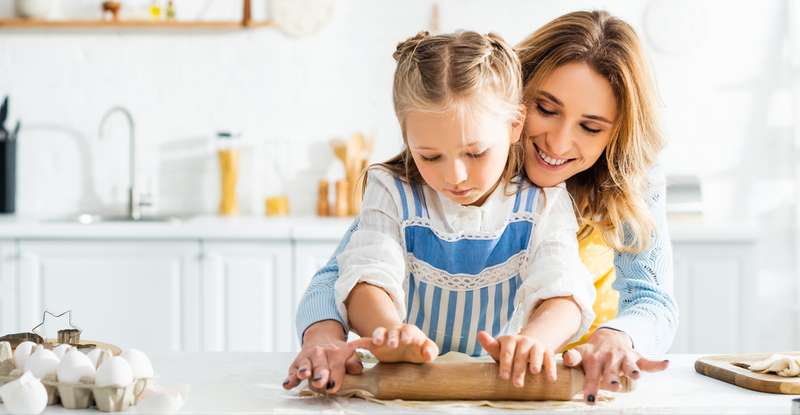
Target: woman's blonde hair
column 462, row 70
column 609, row 195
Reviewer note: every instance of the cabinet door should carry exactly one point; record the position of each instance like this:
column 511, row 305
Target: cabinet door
column 246, row 296
column 309, row 257
column 139, row 294
column 713, row 283
column 9, row 281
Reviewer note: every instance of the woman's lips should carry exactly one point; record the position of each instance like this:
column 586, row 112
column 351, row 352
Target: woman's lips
column 547, row 165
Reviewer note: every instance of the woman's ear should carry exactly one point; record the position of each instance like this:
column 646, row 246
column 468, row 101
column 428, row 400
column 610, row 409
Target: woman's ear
column 518, row 123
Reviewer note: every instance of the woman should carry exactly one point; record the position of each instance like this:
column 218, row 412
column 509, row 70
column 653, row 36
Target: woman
column 590, row 123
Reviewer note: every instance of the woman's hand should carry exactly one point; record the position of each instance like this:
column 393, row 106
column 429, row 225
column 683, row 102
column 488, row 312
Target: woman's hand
column 325, row 357
column 517, row 354
column 605, row 357
column 402, row 343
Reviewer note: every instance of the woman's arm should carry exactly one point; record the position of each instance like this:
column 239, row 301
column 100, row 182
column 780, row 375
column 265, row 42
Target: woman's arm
column 647, row 310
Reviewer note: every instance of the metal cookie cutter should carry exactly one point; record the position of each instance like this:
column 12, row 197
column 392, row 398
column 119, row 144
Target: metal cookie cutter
column 71, row 335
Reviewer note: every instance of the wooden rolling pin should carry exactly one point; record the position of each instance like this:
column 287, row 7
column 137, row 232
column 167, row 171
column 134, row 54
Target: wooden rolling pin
column 464, row 381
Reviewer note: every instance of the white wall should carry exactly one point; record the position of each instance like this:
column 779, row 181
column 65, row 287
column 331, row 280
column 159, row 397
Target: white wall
column 723, row 93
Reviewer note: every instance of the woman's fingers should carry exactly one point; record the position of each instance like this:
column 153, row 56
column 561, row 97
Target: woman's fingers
column 521, row 363
column 336, row 376
column 353, row 365
column 320, row 369
column 592, row 369
column 304, row 369
column 550, row 368
column 508, row 346
column 629, row 367
column 652, row 365
column 490, row 344
column 611, row 370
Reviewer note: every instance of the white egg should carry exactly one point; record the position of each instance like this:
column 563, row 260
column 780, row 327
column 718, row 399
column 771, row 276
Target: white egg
column 61, row 350
column 114, row 371
column 42, row 363
column 25, row 395
column 159, row 400
column 22, row 353
column 97, row 356
column 5, row 352
column 74, row 366
column 140, row 363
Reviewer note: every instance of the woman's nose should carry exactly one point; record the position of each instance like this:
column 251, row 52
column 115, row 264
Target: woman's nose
column 559, row 141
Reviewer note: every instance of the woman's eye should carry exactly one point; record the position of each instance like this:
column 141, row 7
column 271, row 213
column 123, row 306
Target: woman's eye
column 590, row 130
column 431, row 158
column 478, row 155
column 544, row 111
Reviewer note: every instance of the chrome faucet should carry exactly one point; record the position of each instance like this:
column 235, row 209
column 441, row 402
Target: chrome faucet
column 134, row 202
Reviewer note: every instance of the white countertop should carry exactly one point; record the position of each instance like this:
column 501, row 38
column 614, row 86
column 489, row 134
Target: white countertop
column 250, row 383
column 309, row 228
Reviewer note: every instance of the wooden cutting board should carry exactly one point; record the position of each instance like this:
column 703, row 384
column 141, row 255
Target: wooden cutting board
column 721, row 367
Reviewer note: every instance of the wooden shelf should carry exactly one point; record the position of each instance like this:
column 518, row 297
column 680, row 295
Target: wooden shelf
column 132, row 24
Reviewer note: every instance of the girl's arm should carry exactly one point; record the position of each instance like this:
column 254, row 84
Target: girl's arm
column 553, row 321
column 648, row 313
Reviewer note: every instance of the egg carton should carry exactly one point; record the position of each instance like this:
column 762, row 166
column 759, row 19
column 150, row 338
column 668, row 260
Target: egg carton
column 81, row 395
column 84, row 395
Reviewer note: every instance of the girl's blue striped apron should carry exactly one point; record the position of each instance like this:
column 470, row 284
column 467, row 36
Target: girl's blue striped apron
column 460, row 284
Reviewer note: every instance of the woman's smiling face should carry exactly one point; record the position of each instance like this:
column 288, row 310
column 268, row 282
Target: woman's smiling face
column 568, row 125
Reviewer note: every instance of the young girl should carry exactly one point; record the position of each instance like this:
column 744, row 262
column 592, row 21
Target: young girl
column 451, row 242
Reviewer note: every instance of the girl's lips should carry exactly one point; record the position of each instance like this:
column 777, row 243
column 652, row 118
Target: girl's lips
column 459, row 193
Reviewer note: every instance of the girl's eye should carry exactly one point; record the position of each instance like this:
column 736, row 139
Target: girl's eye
column 544, row 111
column 478, row 155
column 590, row 130
column 433, row 158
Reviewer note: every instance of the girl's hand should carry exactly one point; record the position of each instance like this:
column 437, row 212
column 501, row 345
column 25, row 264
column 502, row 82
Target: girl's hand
column 324, row 358
column 517, row 354
column 607, row 355
column 402, row 343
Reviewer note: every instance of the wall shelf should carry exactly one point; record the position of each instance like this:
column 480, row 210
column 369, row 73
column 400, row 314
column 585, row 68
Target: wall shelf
column 132, row 24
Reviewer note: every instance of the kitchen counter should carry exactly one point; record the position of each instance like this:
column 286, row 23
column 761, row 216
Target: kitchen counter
column 263, row 228
column 250, row 383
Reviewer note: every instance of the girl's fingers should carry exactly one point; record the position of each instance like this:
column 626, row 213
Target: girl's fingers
column 321, row 370
column 572, row 358
column 490, row 344
column 508, row 346
column 360, row 343
column 536, row 357
column 430, row 350
column 521, row 363
column 353, row 365
column 393, row 338
column 407, row 334
column 378, row 336
column 550, row 367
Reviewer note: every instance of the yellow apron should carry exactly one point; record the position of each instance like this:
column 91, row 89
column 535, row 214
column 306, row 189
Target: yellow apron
column 599, row 260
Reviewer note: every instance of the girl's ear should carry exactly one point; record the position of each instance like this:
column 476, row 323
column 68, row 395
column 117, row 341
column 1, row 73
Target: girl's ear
column 518, row 123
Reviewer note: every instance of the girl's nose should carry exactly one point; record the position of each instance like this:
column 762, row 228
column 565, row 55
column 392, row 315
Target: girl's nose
column 456, row 172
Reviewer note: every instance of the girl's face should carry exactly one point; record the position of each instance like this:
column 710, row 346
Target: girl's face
column 568, row 124
column 461, row 154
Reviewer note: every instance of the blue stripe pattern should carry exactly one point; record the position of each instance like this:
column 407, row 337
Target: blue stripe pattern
column 464, row 256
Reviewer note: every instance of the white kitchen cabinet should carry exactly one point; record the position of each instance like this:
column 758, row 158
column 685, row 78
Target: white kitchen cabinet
column 247, row 296
column 714, row 284
column 132, row 293
column 9, row 281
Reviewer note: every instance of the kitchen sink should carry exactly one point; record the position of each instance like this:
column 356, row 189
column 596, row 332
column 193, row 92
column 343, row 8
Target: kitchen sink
column 90, row 218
